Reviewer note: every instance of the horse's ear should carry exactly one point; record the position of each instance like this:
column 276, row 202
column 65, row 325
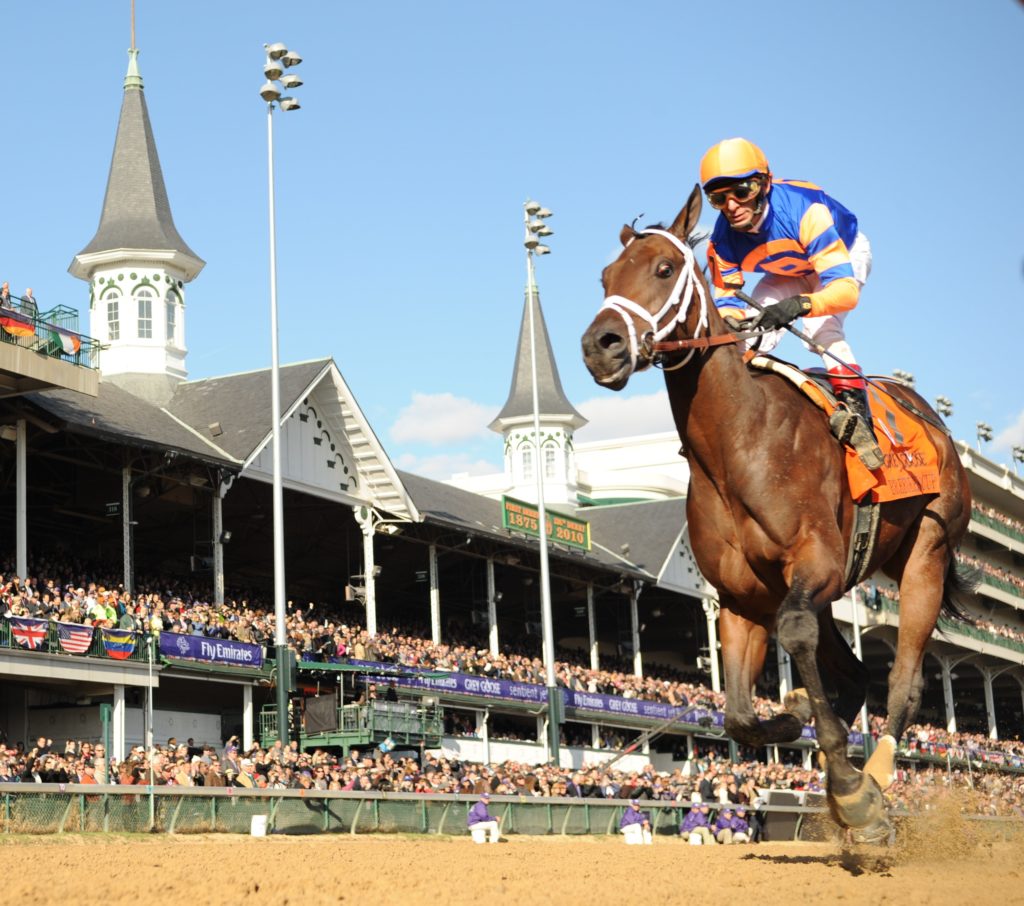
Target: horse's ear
column 627, row 235
column 687, row 218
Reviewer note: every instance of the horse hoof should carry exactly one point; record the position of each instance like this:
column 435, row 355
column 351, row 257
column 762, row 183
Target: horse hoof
column 798, row 702
column 864, row 812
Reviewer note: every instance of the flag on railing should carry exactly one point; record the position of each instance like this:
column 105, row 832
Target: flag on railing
column 119, row 643
column 29, row 633
column 16, row 325
column 69, row 342
column 74, row 638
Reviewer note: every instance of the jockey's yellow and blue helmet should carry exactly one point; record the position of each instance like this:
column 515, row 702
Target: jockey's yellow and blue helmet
column 730, row 160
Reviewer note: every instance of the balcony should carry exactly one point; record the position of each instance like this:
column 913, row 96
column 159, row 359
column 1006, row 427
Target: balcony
column 45, row 351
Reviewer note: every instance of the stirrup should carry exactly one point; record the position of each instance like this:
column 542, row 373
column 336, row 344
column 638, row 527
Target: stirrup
column 851, row 430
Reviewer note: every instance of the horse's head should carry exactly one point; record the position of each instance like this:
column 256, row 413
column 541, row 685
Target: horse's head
column 654, row 289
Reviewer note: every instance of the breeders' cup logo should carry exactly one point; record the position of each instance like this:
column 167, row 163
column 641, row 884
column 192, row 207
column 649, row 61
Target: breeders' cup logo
column 182, row 644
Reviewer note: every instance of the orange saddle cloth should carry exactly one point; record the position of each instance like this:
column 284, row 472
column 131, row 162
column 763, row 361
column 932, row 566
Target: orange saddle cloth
column 911, row 460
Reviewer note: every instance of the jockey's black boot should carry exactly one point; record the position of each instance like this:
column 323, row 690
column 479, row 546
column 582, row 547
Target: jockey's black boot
column 854, row 427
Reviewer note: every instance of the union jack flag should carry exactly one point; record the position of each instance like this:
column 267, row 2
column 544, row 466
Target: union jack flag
column 28, row 633
column 74, row 638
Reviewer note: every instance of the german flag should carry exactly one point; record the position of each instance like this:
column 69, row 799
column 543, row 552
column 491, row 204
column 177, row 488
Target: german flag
column 17, row 325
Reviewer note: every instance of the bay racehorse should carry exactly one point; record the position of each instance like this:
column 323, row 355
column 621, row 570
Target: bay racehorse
column 770, row 516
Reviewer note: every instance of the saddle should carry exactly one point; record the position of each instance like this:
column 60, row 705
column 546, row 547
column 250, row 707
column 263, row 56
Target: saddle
column 911, row 463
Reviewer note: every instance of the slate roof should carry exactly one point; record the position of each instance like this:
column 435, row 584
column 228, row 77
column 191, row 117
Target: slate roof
column 240, row 402
column 136, row 211
column 650, row 529
column 552, row 400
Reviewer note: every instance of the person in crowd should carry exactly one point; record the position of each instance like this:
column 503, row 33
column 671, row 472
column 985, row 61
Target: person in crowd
column 635, row 825
column 696, row 826
column 483, row 826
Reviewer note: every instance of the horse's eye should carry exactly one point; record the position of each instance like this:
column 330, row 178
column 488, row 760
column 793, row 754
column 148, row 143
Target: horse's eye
column 664, row 269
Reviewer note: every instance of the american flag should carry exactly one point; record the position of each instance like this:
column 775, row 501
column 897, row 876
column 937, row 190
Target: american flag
column 74, row 638
column 29, row 633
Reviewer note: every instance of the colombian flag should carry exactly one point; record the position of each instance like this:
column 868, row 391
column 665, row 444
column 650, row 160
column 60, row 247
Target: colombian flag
column 16, row 325
column 119, row 643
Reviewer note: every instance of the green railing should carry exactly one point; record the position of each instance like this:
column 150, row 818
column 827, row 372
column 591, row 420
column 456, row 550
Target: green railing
column 1002, row 585
column 51, row 644
column 53, row 333
column 53, row 809
column 957, row 628
column 994, row 524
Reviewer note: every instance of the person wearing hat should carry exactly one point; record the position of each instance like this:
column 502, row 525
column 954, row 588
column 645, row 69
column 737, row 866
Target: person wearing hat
column 729, row 828
column 483, row 826
column 635, row 824
column 814, row 258
column 696, row 826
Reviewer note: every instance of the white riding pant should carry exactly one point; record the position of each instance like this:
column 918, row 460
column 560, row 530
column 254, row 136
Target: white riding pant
column 637, row 834
column 826, row 331
column 482, row 829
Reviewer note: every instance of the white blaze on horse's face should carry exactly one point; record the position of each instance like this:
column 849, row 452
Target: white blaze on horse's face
column 679, row 299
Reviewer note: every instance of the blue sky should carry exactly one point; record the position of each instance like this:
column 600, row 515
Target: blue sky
column 425, row 126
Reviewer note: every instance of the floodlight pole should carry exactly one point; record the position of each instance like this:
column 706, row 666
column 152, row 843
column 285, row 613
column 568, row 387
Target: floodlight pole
column 547, row 624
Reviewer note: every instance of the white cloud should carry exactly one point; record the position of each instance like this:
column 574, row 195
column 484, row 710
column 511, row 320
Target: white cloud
column 443, row 466
column 441, row 418
column 1006, row 438
column 620, row 416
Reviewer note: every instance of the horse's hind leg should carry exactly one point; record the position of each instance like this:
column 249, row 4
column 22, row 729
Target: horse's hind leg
column 854, row 799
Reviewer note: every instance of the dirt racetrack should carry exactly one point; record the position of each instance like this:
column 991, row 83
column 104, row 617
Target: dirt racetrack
column 442, row 871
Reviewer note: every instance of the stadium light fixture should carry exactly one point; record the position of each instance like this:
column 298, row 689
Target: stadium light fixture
column 944, row 406
column 1018, row 456
column 533, row 221
column 279, row 58
column 984, row 433
column 904, row 377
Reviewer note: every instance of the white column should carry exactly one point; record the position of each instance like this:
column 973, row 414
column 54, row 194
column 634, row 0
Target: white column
column 710, row 606
column 126, row 526
column 483, row 720
column 595, row 660
column 21, row 506
column 247, row 718
column 218, row 546
column 435, row 598
column 117, row 728
column 369, row 579
column 865, row 721
column 492, row 609
column 595, row 734
column 947, row 693
column 990, row 702
column 634, row 624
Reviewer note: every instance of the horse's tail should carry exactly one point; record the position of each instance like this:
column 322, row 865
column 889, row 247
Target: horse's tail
column 961, row 579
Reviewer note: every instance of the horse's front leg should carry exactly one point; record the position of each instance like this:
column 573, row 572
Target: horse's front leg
column 744, row 645
column 854, row 798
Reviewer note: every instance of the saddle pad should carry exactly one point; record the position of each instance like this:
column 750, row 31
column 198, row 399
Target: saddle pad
column 911, row 460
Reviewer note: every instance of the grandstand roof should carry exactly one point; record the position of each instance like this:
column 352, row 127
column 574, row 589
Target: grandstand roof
column 552, row 400
column 240, row 402
column 136, row 211
column 650, row 530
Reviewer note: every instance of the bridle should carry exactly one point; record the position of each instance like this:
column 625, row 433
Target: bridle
column 680, row 298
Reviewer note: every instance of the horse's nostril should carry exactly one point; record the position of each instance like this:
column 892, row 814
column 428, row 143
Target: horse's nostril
column 608, row 340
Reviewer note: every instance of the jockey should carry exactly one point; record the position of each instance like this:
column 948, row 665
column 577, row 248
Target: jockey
column 814, row 259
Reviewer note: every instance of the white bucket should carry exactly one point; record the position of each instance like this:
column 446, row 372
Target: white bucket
column 258, row 826
column 696, row 840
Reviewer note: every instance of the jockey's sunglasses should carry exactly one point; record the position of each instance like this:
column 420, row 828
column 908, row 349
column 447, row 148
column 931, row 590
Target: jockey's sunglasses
column 741, row 191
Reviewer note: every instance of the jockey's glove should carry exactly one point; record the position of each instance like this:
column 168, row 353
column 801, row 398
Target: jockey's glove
column 782, row 313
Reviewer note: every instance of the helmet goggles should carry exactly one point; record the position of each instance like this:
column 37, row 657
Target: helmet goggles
column 742, row 191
